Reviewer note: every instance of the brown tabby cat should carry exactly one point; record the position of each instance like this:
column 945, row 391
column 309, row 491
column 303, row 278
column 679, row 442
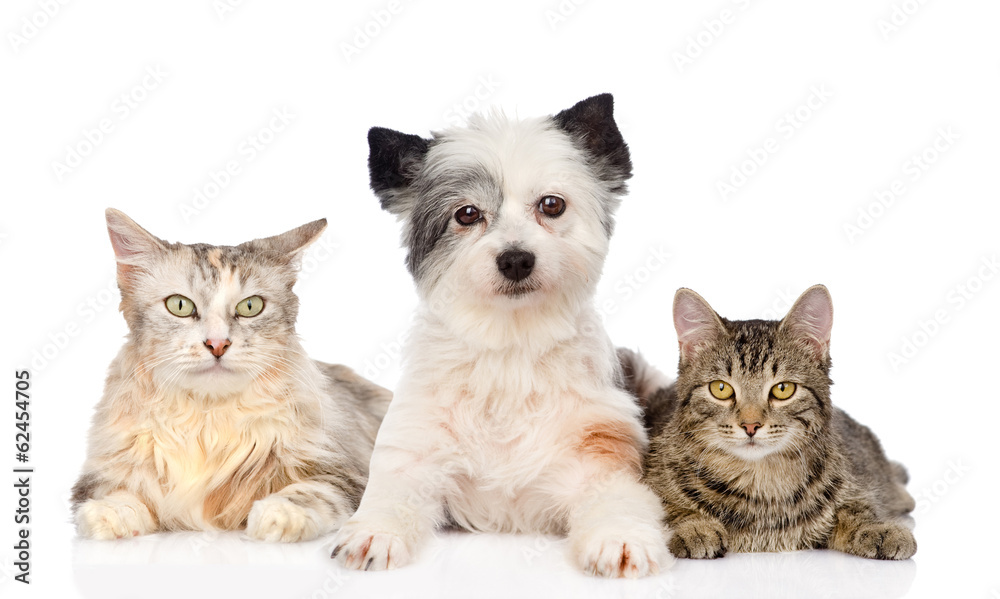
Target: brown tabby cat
column 213, row 416
column 748, row 453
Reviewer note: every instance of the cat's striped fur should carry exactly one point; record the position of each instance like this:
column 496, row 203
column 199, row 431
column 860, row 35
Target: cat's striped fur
column 258, row 436
column 808, row 477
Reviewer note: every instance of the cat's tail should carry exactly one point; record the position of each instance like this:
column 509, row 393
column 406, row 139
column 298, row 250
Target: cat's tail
column 900, row 502
column 649, row 385
column 642, row 379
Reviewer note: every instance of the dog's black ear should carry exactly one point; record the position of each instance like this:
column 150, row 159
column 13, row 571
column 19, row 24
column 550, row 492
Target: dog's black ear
column 394, row 159
column 592, row 123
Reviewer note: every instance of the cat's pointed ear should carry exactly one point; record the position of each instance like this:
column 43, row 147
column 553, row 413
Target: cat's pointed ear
column 394, row 160
column 293, row 243
column 134, row 246
column 696, row 322
column 810, row 321
column 591, row 123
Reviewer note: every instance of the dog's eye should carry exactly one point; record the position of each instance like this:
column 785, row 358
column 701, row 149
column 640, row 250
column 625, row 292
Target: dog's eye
column 552, row 206
column 468, row 215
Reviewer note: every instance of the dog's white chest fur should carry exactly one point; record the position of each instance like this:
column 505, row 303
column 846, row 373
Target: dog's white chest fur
column 503, row 467
column 505, row 430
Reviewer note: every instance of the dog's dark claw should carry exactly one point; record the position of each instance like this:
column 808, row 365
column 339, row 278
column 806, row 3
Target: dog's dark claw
column 336, row 550
column 369, row 564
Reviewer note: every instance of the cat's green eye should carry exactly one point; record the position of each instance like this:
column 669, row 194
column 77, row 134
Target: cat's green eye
column 783, row 390
column 251, row 306
column 721, row 390
column 178, row 305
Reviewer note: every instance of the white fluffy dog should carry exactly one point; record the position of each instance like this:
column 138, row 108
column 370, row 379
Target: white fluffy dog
column 510, row 414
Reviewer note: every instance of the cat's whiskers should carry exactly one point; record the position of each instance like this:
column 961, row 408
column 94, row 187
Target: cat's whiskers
column 279, row 362
column 173, row 375
column 267, row 378
column 687, row 432
column 142, row 368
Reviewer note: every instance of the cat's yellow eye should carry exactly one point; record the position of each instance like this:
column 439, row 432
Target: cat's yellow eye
column 178, row 305
column 783, row 390
column 721, row 390
column 251, row 306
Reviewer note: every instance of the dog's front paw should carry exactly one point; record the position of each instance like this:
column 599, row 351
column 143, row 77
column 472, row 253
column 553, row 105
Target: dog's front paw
column 635, row 555
column 360, row 548
column 698, row 539
column 277, row 519
column 118, row 515
column 883, row 540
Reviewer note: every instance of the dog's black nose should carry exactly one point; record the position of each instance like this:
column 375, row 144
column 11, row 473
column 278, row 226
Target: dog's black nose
column 516, row 264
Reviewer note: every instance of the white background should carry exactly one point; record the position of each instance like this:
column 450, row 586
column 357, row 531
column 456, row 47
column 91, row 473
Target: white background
column 888, row 91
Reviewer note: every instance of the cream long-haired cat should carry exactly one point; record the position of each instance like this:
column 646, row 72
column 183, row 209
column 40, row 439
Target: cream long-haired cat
column 213, row 417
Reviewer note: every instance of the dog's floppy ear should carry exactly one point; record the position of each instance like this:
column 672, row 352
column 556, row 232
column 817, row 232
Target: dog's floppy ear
column 591, row 123
column 394, row 159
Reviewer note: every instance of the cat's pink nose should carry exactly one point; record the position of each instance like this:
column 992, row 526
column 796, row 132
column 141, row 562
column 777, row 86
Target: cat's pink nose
column 217, row 346
column 751, row 428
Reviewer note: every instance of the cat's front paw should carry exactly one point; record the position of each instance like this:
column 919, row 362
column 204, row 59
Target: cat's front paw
column 621, row 554
column 883, row 540
column 361, row 548
column 276, row 519
column 116, row 516
column 698, row 539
